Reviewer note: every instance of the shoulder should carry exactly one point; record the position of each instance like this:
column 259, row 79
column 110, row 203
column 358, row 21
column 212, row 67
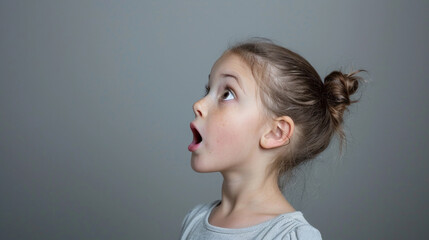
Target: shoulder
column 201, row 209
column 294, row 226
column 305, row 232
column 197, row 213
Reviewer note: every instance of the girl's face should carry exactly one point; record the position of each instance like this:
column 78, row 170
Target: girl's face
column 229, row 120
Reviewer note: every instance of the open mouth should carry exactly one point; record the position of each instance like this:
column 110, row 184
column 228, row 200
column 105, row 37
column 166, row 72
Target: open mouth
column 196, row 140
column 197, row 135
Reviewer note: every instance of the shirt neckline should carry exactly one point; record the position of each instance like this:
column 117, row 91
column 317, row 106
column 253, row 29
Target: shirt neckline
column 246, row 229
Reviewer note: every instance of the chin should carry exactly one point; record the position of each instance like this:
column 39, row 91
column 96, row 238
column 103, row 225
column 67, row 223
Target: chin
column 200, row 167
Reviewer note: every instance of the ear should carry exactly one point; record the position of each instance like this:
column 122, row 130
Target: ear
column 279, row 134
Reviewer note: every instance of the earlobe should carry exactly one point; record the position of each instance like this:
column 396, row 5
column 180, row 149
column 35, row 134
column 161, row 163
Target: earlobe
column 279, row 134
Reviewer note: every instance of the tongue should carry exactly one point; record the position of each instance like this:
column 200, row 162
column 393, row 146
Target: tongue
column 193, row 146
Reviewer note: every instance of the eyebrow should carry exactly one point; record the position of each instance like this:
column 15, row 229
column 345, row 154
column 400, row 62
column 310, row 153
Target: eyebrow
column 226, row 75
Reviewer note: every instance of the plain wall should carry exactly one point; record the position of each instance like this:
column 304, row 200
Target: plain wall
column 95, row 105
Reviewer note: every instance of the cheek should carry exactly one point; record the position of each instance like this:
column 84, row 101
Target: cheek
column 226, row 135
column 231, row 134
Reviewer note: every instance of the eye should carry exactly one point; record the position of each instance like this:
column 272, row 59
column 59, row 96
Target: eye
column 228, row 95
column 207, row 90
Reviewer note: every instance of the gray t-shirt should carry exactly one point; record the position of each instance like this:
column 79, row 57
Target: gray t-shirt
column 290, row 226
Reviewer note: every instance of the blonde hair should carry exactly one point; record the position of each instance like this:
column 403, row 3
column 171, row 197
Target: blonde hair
column 290, row 86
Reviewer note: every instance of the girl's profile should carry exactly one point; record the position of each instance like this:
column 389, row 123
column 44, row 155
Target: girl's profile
column 266, row 111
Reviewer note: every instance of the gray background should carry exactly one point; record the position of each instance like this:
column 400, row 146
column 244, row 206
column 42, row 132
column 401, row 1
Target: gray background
column 95, row 105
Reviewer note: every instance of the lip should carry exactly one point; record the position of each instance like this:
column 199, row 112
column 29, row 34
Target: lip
column 196, row 134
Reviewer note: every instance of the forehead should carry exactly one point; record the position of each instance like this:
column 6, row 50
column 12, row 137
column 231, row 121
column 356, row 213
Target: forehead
column 230, row 63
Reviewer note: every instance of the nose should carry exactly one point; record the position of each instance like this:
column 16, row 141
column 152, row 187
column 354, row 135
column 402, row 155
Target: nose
column 200, row 108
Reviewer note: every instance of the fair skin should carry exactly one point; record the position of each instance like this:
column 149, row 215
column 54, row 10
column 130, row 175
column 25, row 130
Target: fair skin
column 234, row 136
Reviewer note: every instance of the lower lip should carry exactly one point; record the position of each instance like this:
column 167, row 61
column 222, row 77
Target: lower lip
column 193, row 146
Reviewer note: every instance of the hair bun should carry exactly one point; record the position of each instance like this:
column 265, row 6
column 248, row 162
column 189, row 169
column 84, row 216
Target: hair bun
column 337, row 88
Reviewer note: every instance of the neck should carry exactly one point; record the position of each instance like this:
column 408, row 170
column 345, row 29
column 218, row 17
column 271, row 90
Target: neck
column 249, row 191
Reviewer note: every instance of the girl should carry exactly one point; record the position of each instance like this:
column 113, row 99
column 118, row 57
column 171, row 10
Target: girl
column 265, row 111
